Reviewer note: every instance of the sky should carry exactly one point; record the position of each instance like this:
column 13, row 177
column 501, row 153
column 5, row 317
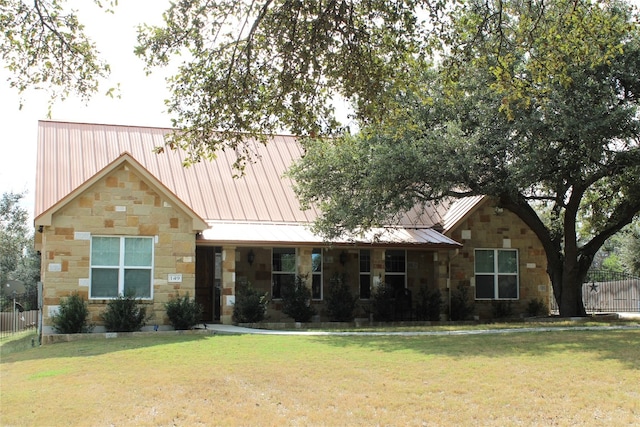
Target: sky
column 141, row 102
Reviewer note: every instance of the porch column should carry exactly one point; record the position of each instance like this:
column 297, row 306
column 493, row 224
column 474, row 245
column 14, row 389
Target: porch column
column 304, row 263
column 377, row 266
column 228, row 283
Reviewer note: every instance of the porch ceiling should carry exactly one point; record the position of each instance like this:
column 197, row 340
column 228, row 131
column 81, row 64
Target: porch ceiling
column 244, row 233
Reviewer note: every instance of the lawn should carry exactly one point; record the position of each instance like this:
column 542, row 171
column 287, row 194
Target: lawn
column 563, row 378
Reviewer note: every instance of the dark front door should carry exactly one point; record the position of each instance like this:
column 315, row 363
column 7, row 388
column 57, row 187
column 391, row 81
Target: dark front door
column 208, row 282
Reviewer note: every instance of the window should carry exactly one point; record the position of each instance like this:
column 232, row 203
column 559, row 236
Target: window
column 496, row 273
column 395, row 269
column 283, row 270
column 316, row 274
column 365, row 274
column 121, row 266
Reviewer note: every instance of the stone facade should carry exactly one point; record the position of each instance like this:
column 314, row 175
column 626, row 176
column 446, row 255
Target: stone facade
column 491, row 228
column 423, row 270
column 122, row 203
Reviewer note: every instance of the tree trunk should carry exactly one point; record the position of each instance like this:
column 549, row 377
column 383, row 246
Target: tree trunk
column 567, row 288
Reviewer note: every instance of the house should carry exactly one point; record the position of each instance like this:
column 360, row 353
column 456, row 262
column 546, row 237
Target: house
column 112, row 215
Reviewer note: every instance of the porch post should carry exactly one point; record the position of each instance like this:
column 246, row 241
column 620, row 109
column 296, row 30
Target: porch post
column 377, row 267
column 304, row 263
column 228, row 283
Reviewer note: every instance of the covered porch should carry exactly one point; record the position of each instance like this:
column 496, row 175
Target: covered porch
column 266, row 256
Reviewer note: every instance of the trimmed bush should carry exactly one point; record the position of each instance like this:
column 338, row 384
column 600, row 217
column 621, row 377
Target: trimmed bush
column 537, row 307
column 428, row 304
column 502, row 309
column 461, row 306
column 340, row 302
column 183, row 313
column 250, row 305
column 124, row 314
column 73, row 316
column 382, row 303
column 296, row 300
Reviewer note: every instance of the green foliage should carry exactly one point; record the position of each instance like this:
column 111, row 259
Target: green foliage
column 382, row 304
column 630, row 251
column 183, row 313
column 250, row 305
column 571, row 149
column 428, row 304
column 281, row 69
column 124, row 314
column 73, row 316
column 461, row 305
column 340, row 302
column 296, row 300
column 501, row 309
column 44, row 46
column 537, row 307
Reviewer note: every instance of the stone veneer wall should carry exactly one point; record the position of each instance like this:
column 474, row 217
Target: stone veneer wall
column 486, row 229
column 121, row 204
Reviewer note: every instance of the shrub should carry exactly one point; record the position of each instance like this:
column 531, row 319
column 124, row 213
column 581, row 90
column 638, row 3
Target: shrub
column 340, row 302
column 461, row 306
column 537, row 307
column 183, row 313
column 428, row 304
column 502, row 309
column 73, row 316
column 124, row 314
column 296, row 300
column 250, row 305
column 382, row 302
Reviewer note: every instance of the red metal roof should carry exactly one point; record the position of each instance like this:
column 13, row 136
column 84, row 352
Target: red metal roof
column 69, row 154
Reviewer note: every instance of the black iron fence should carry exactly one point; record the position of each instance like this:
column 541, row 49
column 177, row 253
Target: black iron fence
column 608, row 292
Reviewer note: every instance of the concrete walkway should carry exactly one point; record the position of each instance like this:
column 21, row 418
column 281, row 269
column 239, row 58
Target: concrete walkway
column 238, row 330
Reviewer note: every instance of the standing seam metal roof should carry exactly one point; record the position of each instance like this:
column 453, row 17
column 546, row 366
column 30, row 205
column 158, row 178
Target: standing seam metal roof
column 69, row 154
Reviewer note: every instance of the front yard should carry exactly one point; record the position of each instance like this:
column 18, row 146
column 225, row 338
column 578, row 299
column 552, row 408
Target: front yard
column 547, row 378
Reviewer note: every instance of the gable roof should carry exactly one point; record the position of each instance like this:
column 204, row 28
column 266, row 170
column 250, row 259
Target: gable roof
column 70, row 154
column 198, row 224
column 460, row 210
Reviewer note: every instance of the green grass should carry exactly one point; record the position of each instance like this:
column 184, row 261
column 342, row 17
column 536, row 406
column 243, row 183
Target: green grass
column 18, row 342
column 563, row 378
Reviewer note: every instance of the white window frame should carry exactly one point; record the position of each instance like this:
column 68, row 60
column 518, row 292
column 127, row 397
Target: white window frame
column 396, row 273
column 121, row 267
column 317, row 274
column 496, row 274
column 364, row 273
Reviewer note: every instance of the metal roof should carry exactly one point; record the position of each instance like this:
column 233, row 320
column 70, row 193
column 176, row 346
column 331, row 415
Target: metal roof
column 69, row 154
column 301, row 234
column 459, row 210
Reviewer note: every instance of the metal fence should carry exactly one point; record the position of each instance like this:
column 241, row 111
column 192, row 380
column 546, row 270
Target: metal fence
column 608, row 292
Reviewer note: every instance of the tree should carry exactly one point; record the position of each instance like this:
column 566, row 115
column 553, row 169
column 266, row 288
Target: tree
column 45, row 47
column 621, row 252
column 534, row 103
column 566, row 147
column 257, row 67
column 18, row 259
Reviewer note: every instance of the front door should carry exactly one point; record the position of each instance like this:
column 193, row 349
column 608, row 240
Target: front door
column 208, row 282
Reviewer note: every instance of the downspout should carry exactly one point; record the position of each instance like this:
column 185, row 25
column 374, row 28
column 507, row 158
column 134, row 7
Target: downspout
column 456, row 252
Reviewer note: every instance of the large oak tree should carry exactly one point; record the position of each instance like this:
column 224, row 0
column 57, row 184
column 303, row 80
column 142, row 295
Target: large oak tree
column 534, row 103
